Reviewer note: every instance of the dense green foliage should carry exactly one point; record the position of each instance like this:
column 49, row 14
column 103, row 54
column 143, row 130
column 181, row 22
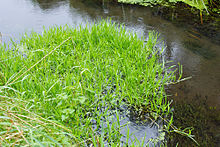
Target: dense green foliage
column 65, row 86
column 207, row 5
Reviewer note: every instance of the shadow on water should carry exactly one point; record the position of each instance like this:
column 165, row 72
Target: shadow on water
column 195, row 46
column 198, row 49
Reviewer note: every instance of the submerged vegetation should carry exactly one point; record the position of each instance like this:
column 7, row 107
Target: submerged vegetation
column 201, row 117
column 67, row 86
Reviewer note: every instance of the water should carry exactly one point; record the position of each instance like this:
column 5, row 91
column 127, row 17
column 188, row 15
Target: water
column 196, row 49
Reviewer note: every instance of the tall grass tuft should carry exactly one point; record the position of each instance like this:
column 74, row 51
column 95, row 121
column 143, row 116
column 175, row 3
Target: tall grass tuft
column 64, row 86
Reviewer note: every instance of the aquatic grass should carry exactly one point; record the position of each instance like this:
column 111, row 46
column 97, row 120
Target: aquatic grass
column 79, row 77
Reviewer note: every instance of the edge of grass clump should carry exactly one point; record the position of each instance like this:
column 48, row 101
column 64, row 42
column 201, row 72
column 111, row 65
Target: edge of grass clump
column 67, row 85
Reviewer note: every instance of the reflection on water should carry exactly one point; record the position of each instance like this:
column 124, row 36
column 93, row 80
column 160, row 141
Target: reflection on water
column 197, row 53
column 47, row 5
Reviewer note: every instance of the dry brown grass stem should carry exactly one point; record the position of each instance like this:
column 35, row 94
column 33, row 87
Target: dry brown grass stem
column 40, row 60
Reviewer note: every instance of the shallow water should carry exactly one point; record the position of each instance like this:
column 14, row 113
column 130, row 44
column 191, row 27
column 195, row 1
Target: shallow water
column 199, row 54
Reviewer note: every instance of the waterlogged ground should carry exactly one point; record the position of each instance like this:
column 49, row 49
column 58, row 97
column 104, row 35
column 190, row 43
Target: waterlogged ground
column 186, row 44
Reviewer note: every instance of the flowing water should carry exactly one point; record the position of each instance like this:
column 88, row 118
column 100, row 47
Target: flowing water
column 197, row 49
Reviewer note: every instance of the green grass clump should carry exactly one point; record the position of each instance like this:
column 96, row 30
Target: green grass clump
column 64, row 85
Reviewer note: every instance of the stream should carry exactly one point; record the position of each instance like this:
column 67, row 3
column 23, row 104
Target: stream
column 196, row 101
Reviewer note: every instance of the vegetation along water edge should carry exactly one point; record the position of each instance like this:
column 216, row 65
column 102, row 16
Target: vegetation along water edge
column 209, row 6
column 67, row 86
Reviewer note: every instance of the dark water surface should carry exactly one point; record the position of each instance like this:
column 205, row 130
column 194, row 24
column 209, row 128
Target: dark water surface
column 196, row 100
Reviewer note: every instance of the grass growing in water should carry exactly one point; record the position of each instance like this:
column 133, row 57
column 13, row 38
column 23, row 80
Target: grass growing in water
column 65, row 85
